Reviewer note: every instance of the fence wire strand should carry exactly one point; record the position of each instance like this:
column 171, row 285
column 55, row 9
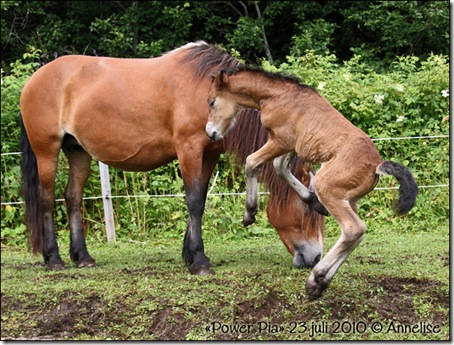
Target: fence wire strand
column 157, row 196
column 232, row 193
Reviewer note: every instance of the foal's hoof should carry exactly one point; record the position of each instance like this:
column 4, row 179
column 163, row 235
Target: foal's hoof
column 200, row 270
column 86, row 263
column 320, row 209
column 315, row 204
column 313, row 293
column 314, row 290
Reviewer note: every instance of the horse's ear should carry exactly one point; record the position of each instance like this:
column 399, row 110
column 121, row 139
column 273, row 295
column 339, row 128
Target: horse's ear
column 220, row 80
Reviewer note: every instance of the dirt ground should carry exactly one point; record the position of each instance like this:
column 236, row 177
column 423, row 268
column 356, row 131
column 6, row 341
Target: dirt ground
column 395, row 303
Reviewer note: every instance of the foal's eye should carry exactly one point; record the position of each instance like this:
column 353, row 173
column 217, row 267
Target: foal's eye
column 211, row 102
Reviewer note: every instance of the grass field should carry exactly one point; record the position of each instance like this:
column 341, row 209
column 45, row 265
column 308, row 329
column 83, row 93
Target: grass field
column 392, row 287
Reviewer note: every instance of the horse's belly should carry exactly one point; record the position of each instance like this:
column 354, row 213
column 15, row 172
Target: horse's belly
column 138, row 157
column 139, row 164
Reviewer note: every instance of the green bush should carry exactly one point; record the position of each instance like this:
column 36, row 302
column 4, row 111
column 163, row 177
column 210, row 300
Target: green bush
column 407, row 98
column 12, row 225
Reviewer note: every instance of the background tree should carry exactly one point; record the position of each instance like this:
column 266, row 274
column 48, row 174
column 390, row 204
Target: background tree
column 257, row 30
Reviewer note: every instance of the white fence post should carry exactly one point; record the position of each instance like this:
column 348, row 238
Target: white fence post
column 107, row 201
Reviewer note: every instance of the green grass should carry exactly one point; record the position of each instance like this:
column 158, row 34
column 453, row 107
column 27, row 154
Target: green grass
column 142, row 290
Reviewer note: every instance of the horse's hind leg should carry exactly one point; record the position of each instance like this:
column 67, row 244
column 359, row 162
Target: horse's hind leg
column 79, row 170
column 47, row 169
column 281, row 165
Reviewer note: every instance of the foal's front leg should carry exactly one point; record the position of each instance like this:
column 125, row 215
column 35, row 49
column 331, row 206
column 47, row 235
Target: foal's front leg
column 254, row 163
column 281, row 165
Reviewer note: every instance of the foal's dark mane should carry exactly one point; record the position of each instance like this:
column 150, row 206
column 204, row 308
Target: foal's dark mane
column 208, row 60
column 283, row 77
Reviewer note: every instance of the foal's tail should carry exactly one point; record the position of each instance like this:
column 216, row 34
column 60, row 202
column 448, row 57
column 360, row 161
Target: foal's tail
column 408, row 189
column 30, row 193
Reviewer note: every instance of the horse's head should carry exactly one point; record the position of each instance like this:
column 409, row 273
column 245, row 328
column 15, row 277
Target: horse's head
column 303, row 241
column 301, row 229
column 224, row 107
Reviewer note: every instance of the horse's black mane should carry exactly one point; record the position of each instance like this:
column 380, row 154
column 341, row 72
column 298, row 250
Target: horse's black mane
column 209, row 59
column 246, row 137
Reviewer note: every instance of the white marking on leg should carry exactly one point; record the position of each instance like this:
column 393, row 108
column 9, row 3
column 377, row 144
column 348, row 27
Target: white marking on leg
column 281, row 165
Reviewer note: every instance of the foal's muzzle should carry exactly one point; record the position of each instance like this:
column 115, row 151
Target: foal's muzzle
column 213, row 131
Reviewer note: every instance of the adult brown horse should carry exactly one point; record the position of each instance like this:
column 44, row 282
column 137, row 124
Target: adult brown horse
column 302, row 122
column 132, row 114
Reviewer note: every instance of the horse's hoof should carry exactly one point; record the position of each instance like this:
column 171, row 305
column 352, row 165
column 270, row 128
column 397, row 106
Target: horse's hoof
column 313, row 292
column 201, row 270
column 86, row 263
column 248, row 219
column 57, row 266
column 314, row 296
column 316, row 205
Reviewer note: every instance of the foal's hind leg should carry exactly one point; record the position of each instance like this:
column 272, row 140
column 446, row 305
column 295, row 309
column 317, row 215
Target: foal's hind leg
column 79, row 170
column 352, row 232
column 281, row 165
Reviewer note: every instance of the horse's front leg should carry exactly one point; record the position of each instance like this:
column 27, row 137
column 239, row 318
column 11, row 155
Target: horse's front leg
column 254, row 163
column 251, row 193
column 281, row 165
column 196, row 175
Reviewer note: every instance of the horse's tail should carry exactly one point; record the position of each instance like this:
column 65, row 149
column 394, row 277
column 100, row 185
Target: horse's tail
column 30, row 193
column 408, row 189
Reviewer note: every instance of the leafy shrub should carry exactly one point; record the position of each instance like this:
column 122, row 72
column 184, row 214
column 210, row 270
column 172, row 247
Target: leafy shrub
column 407, row 98
column 314, row 35
column 11, row 86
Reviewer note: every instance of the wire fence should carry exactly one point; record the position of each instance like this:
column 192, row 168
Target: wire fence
column 230, row 193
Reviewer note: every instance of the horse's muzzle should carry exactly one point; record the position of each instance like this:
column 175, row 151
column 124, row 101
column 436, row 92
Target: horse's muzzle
column 307, row 256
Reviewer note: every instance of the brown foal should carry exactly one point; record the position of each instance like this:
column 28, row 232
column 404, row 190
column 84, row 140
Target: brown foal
column 300, row 121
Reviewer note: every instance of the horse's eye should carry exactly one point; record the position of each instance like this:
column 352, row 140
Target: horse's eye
column 211, row 102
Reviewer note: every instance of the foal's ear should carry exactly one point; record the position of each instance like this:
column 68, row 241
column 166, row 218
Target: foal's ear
column 220, row 80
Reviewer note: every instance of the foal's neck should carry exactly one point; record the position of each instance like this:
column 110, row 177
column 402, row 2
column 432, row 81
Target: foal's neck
column 252, row 88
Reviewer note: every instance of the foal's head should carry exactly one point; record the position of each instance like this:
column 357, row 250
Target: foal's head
column 224, row 108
